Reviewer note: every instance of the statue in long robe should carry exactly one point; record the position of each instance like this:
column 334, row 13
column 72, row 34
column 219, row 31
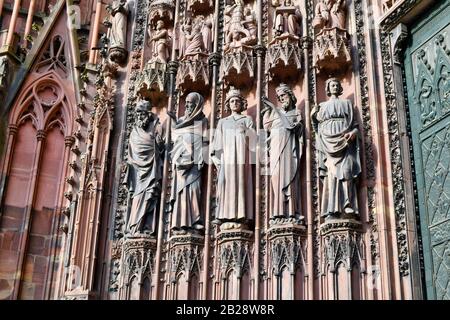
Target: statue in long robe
column 232, row 147
column 118, row 37
column 145, row 154
column 330, row 14
column 285, row 129
column 338, row 153
column 189, row 136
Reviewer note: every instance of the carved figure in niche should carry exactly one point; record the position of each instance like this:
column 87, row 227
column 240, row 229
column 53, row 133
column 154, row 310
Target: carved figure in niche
column 338, row 152
column 234, row 140
column 285, row 127
column 159, row 41
column 286, row 22
column 196, row 36
column 189, row 136
column 330, row 14
column 145, row 154
column 119, row 12
column 240, row 30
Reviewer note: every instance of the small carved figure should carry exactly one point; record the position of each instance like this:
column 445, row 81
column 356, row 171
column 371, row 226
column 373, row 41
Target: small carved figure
column 239, row 29
column 330, row 14
column 234, row 140
column 285, row 151
column 338, row 152
column 4, row 70
column 196, row 36
column 145, row 153
column 160, row 40
column 189, row 136
column 287, row 18
column 118, row 38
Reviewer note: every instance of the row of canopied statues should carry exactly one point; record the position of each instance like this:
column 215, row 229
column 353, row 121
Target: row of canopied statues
column 232, row 151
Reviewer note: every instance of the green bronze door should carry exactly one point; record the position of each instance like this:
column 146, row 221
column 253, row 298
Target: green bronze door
column 427, row 70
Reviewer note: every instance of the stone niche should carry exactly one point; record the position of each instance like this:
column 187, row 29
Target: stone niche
column 161, row 10
column 151, row 83
column 200, row 6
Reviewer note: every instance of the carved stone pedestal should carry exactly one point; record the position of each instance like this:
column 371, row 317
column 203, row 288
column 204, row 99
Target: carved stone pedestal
column 152, row 81
column 79, row 294
column 235, row 252
column 284, row 58
column 237, row 68
column 118, row 55
column 343, row 263
column 331, row 51
column 193, row 73
column 185, row 265
column 137, row 268
column 287, row 259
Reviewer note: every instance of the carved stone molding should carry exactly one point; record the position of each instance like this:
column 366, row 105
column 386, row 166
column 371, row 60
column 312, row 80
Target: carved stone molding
column 185, row 259
column 398, row 41
column 235, row 255
column 193, row 73
column 237, row 68
column 332, row 51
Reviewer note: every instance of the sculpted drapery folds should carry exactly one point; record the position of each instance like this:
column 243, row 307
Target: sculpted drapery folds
column 118, row 37
column 287, row 18
column 285, row 127
column 240, row 26
column 196, row 36
column 145, row 160
column 189, row 136
column 338, row 152
column 233, row 143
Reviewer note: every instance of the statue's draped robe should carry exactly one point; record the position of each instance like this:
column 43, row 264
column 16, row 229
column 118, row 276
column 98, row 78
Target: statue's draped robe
column 119, row 24
column 145, row 151
column 189, row 136
column 233, row 142
column 285, row 151
column 339, row 160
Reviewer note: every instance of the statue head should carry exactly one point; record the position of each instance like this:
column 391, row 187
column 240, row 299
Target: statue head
column 333, row 87
column 159, row 25
column 286, row 97
column 143, row 112
column 235, row 101
column 194, row 101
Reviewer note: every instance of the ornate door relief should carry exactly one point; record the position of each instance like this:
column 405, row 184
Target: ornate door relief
column 427, row 70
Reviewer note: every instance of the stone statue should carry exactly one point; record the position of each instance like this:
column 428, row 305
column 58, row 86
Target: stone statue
column 330, row 14
column 239, row 29
column 145, row 154
column 234, row 140
column 160, row 41
column 189, row 136
column 286, row 20
column 118, row 38
column 196, row 37
column 285, row 129
column 338, row 152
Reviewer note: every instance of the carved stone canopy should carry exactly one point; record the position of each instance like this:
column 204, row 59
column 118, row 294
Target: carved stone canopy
column 151, row 83
column 200, row 6
column 161, row 10
column 331, row 53
column 284, row 59
column 237, row 68
column 193, row 73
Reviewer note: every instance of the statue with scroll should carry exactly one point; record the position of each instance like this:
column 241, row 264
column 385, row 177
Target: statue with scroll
column 234, row 141
column 145, row 161
column 285, row 128
column 189, row 134
column 338, row 153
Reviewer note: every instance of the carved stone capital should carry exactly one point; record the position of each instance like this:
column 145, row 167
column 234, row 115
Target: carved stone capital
column 214, row 59
column 338, row 225
column 172, row 67
column 69, row 141
column 40, row 135
column 13, row 128
column 260, row 50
